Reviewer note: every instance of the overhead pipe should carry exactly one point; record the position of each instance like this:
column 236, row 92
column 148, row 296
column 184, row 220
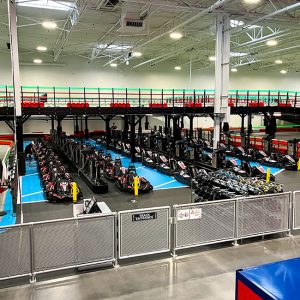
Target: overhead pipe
column 198, row 15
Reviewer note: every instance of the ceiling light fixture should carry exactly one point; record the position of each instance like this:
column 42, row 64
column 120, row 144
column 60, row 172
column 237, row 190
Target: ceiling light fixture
column 212, row 58
column 113, row 47
column 278, row 61
column 251, row 1
column 113, row 65
column 176, row 35
column 238, row 54
column 49, row 24
column 236, row 23
column 234, row 70
column 272, row 43
column 283, row 71
column 41, row 48
column 136, row 54
column 177, row 68
column 37, row 61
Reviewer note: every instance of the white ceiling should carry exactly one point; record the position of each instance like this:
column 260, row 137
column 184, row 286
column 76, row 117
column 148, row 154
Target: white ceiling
column 97, row 24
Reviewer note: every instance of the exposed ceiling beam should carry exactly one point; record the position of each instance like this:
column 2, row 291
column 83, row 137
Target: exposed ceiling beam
column 208, row 10
column 72, row 20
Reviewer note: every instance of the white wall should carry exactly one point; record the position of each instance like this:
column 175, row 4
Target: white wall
column 77, row 72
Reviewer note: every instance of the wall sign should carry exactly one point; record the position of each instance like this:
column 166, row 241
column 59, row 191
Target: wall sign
column 144, row 216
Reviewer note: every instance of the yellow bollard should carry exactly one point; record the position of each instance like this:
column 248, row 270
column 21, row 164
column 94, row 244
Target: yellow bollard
column 74, row 192
column 136, row 185
column 268, row 176
column 298, row 165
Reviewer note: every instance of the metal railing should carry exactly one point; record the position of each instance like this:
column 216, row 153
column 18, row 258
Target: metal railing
column 199, row 224
column 144, row 231
column 296, row 210
column 206, row 223
column 75, row 97
column 262, row 215
column 34, row 248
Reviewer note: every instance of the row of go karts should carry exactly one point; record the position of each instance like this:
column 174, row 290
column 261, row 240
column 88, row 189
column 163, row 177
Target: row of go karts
column 56, row 181
column 275, row 159
column 124, row 177
column 223, row 184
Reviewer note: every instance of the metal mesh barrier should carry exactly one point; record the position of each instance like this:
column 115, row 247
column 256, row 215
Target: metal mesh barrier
column 144, row 231
column 73, row 242
column 15, row 251
column 95, row 239
column 296, row 210
column 204, row 223
column 263, row 215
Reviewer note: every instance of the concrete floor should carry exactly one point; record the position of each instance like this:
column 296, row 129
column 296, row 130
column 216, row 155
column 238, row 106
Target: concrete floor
column 208, row 275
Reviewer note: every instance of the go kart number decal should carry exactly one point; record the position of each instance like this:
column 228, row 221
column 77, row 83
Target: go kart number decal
column 144, row 216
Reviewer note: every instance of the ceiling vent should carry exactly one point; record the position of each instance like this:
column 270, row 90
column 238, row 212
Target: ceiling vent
column 131, row 24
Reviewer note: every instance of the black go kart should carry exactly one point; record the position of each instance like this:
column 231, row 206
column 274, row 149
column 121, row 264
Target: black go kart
column 126, row 180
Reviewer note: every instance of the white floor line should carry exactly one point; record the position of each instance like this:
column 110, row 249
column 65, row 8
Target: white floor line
column 32, row 194
column 37, row 201
column 170, row 188
column 164, row 183
column 140, row 167
column 31, row 174
column 278, row 172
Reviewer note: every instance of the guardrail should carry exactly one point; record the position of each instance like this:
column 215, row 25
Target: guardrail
column 144, row 231
column 73, row 97
column 34, row 248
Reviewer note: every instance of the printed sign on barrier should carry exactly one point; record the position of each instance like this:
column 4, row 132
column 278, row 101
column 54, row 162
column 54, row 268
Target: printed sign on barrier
column 144, row 216
column 189, row 214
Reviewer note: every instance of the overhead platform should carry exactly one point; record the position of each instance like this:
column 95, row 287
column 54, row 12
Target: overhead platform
column 114, row 101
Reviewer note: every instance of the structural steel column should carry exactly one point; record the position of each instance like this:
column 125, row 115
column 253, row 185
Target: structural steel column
column 191, row 127
column 52, row 123
column 76, row 127
column 86, row 128
column 221, row 109
column 132, row 138
column 20, row 146
column 59, row 127
column 14, row 53
column 140, row 129
column 107, row 131
column 126, row 127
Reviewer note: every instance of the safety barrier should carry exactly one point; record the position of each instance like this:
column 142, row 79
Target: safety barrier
column 199, row 224
column 204, row 223
column 144, row 231
column 296, row 210
column 34, row 248
column 40, row 247
column 262, row 215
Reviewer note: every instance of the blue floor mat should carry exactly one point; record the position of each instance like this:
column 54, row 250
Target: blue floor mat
column 273, row 170
column 157, row 179
column 31, row 184
column 9, row 218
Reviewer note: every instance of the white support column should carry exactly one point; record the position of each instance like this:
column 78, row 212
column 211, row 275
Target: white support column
column 14, row 53
column 221, row 109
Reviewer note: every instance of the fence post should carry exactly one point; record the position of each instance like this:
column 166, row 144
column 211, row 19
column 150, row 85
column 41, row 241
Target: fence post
column 236, row 222
column 32, row 266
column 173, row 230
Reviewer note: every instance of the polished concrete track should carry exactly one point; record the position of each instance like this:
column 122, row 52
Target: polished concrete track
column 208, row 275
